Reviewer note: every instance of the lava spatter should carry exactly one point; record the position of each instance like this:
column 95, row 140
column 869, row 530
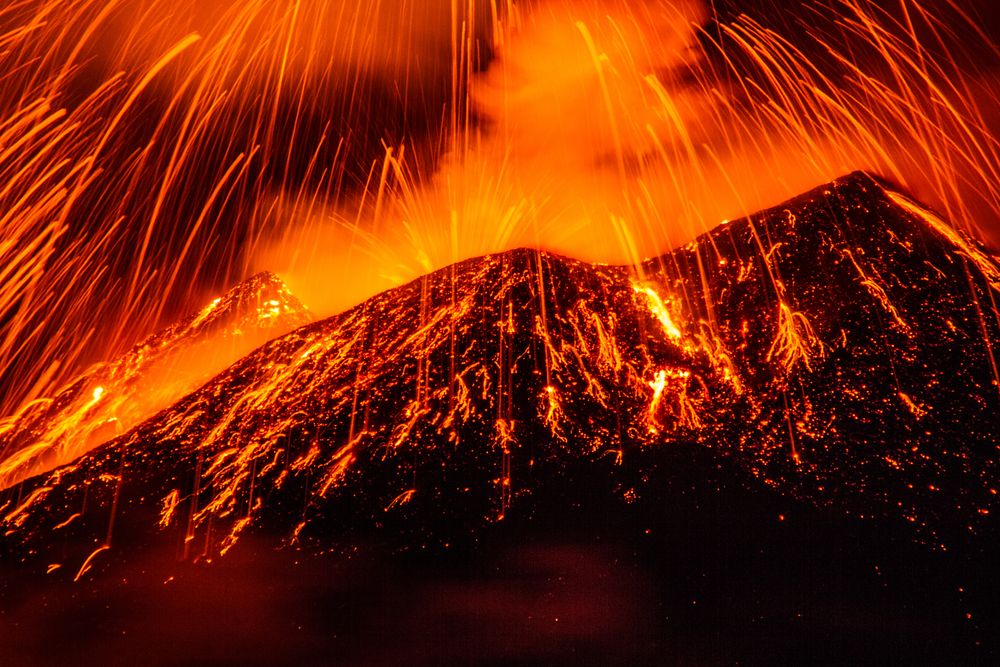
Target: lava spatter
column 864, row 333
column 419, row 398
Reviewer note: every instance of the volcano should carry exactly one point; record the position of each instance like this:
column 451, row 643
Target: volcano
column 834, row 355
column 110, row 399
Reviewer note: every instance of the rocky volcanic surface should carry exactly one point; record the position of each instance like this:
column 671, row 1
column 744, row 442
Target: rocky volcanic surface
column 838, row 348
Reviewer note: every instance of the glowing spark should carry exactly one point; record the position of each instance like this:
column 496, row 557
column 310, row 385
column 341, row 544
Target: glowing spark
column 877, row 291
column 401, row 499
column 794, row 342
column 90, row 559
column 73, row 517
column 553, row 412
column 168, row 508
column 918, row 410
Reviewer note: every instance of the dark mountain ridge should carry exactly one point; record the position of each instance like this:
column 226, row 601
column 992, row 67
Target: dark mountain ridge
column 570, row 464
column 837, row 348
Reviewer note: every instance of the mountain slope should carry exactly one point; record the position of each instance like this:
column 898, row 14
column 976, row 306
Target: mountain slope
column 837, row 348
column 110, row 399
column 867, row 340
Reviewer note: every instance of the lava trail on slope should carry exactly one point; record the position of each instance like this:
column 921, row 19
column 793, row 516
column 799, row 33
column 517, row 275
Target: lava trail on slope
column 838, row 348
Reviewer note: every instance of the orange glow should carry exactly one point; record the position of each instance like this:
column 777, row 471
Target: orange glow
column 660, row 311
column 616, row 135
column 51, row 432
column 616, row 131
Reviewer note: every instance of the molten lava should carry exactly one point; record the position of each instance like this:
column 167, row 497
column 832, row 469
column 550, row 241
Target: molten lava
column 111, row 399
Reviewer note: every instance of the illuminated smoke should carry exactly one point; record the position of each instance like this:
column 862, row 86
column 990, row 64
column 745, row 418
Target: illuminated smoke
column 140, row 141
column 614, row 131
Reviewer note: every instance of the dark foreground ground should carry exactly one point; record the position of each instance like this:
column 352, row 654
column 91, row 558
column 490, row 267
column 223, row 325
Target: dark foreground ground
column 700, row 570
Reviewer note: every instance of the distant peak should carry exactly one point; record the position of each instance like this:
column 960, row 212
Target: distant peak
column 263, row 278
